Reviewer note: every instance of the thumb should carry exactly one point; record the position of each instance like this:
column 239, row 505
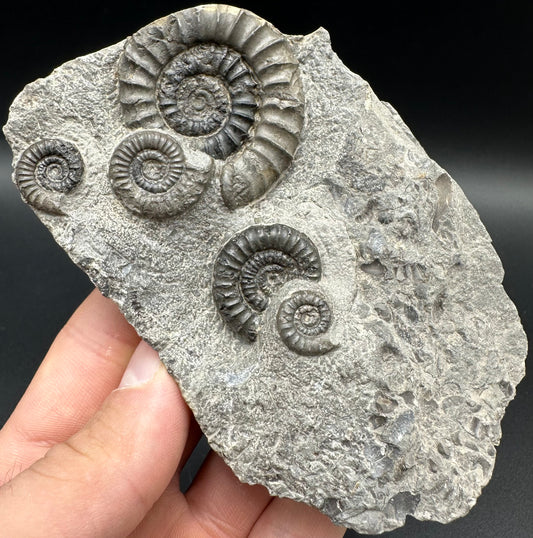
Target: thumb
column 104, row 479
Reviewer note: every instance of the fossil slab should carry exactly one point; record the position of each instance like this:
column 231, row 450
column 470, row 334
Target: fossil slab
column 322, row 291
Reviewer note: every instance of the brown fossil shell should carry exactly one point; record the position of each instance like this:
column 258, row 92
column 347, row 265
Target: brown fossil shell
column 150, row 176
column 48, row 170
column 225, row 76
column 302, row 321
column 252, row 265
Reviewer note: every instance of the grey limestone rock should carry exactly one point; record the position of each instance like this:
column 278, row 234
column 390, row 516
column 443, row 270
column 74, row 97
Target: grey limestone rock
column 324, row 294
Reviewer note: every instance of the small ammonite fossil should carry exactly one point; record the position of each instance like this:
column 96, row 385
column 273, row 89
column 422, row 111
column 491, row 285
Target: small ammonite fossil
column 252, row 265
column 225, row 79
column 46, row 171
column 149, row 175
column 302, row 321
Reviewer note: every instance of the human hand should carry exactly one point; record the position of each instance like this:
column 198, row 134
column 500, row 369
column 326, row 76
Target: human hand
column 81, row 457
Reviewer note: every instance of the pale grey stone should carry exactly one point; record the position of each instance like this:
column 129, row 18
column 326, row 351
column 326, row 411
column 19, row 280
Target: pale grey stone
column 400, row 412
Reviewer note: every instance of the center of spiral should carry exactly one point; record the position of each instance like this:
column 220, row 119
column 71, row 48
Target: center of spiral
column 54, row 172
column 153, row 170
column 150, row 170
column 270, row 277
column 200, row 100
column 308, row 316
column 194, row 105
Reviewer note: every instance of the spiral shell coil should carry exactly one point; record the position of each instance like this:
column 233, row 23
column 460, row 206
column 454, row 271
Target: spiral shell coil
column 224, row 77
column 47, row 171
column 252, row 265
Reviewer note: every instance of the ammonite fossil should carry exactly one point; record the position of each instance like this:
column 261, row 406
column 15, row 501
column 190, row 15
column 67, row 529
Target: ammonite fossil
column 46, row 171
column 149, row 174
column 302, row 321
column 252, row 265
column 208, row 90
column 226, row 78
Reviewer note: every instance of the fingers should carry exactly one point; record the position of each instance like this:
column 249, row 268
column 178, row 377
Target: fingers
column 289, row 519
column 224, row 505
column 217, row 504
column 84, row 364
column 105, row 478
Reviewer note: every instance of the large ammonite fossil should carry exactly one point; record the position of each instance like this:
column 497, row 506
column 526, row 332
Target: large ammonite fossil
column 225, row 79
column 302, row 321
column 252, row 265
column 46, row 171
column 150, row 176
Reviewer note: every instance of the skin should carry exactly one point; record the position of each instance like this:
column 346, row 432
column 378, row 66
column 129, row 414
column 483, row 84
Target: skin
column 81, row 457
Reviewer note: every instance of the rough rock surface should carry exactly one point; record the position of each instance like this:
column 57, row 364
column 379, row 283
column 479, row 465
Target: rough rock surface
column 401, row 413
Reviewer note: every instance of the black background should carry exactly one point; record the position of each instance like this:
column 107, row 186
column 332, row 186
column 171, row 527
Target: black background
column 461, row 78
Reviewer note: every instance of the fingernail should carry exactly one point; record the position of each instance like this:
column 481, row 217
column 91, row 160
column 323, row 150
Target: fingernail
column 142, row 367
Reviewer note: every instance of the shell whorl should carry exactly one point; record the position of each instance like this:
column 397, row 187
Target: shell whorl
column 149, row 174
column 302, row 321
column 46, row 171
column 252, row 265
column 226, row 77
column 208, row 90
